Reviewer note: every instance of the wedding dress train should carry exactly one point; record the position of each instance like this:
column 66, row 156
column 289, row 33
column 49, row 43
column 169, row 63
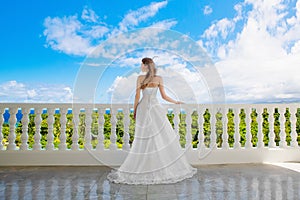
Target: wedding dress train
column 156, row 156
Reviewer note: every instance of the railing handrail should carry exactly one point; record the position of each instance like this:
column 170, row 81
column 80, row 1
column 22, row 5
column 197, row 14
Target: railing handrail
column 122, row 105
column 203, row 142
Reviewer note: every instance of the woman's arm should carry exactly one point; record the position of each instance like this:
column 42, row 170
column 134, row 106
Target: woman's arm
column 163, row 93
column 137, row 95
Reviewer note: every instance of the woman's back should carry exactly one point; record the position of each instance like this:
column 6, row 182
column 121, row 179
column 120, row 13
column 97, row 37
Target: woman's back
column 155, row 81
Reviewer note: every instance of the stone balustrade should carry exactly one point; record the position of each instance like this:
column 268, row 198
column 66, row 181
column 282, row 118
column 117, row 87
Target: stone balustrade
column 101, row 134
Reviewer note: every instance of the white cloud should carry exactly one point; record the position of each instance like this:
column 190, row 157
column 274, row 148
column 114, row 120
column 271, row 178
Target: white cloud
column 165, row 24
column 80, row 36
column 222, row 28
column 207, row 10
column 91, row 64
column 12, row 84
column 215, row 34
column 97, row 31
column 31, row 93
column 13, row 91
column 150, row 37
column 133, row 18
column 122, row 90
column 295, row 50
column 89, row 15
column 63, row 34
column 258, row 62
column 239, row 10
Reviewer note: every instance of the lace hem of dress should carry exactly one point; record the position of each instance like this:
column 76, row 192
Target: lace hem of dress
column 116, row 176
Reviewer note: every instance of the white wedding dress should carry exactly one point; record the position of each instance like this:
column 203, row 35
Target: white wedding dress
column 156, row 156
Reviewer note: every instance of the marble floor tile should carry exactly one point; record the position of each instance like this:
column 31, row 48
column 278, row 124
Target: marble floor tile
column 238, row 181
column 161, row 189
column 161, row 196
column 132, row 189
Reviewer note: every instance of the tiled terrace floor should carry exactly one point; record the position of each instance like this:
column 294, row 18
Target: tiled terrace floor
column 242, row 181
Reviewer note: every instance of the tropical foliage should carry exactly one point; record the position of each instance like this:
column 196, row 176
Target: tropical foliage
column 205, row 128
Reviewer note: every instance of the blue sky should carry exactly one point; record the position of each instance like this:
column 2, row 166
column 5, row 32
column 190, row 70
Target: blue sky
column 254, row 45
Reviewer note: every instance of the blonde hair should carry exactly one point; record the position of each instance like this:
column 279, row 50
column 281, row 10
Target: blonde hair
column 151, row 71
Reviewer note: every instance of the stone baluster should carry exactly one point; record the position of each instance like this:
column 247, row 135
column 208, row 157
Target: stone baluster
column 282, row 142
column 62, row 137
column 24, row 136
column 293, row 111
column 75, row 136
column 176, row 120
column 1, row 124
column 237, row 144
column 271, row 133
column 213, row 133
column 113, row 135
column 201, row 144
column 126, row 130
column 12, row 127
column 260, row 135
column 50, row 136
column 88, row 125
column 188, row 136
column 100, row 137
column 37, row 134
column 248, row 143
column 225, row 144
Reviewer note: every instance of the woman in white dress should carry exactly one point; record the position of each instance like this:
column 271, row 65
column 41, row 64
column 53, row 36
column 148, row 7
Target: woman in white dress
column 156, row 156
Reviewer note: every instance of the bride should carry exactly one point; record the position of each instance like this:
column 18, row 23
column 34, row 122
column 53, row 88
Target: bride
column 156, row 156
